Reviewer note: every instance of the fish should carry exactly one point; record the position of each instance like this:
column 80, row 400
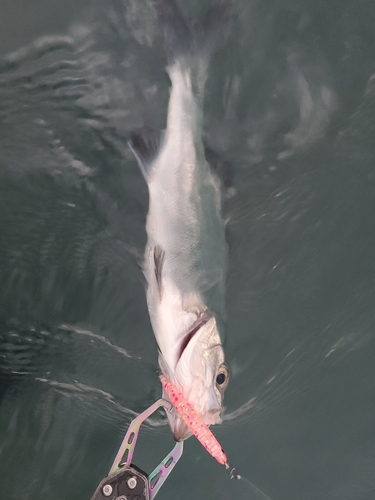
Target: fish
column 186, row 252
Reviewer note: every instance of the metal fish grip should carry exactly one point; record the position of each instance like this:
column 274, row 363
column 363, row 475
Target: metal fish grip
column 125, row 481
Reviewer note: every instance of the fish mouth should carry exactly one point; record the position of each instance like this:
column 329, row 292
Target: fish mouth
column 196, row 326
column 181, row 431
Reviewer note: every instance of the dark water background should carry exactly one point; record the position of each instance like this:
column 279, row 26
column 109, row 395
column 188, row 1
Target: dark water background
column 291, row 104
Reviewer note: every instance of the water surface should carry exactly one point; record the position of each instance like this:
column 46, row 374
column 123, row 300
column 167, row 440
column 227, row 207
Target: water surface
column 290, row 103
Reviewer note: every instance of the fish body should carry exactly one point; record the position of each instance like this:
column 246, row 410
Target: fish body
column 185, row 255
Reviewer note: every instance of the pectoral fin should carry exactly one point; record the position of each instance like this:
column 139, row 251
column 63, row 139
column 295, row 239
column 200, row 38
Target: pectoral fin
column 221, row 167
column 145, row 144
column 158, row 267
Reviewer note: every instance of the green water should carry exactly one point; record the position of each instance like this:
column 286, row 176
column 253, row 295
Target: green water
column 291, row 104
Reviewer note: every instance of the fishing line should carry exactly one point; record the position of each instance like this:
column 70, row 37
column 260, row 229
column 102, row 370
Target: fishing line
column 256, row 493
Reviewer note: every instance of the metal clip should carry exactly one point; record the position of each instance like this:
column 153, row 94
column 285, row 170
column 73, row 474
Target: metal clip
column 119, row 479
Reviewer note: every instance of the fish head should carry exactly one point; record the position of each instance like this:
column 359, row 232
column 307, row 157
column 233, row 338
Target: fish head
column 200, row 373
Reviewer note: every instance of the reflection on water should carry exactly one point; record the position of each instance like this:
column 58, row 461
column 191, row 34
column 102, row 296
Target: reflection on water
column 290, row 103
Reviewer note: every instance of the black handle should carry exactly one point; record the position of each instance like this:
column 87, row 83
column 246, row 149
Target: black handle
column 128, row 483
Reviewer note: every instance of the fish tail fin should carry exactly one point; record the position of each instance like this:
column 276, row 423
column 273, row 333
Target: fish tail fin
column 190, row 45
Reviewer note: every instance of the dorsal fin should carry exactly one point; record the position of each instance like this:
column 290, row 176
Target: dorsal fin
column 222, row 168
column 145, row 144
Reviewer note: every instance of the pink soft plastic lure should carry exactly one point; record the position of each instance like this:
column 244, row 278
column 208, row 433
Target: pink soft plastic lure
column 194, row 421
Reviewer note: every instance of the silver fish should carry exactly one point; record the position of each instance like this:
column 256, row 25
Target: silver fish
column 185, row 256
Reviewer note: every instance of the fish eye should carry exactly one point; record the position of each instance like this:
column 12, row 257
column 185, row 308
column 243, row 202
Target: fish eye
column 222, row 376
